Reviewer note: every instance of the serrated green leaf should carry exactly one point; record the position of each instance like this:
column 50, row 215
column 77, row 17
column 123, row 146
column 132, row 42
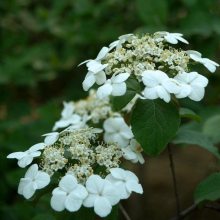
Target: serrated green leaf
column 154, row 123
column 188, row 113
column 208, row 189
column 185, row 136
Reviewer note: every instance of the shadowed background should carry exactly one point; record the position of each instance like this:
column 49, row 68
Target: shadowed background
column 43, row 41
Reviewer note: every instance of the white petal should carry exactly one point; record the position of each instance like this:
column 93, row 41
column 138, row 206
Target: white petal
column 80, row 192
column 120, row 77
column 94, row 184
column 113, row 124
column 130, row 176
column 134, row 186
column 103, row 52
column 90, row 200
column 68, row 183
column 32, row 171
column 194, row 52
column 182, row 39
column 104, row 91
column 88, row 81
column 68, row 109
column 200, row 81
column 37, row 147
column 58, row 200
column 152, row 78
column 210, row 66
column 118, row 89
column 163, row 94
column 172, row 86
column 51, row 138
column 100, row 78
column 185, row 90
column 116, row 138
column 150, row 93
column 42, row 179
column 73, row 203
column 29, row 190
column 197, row 93
column 102, row 206
column 171, row 39
column 23, row 182
column 126, row 132
column 118, row 173
column 17, row 155
column 110, row 192
column 25, row 161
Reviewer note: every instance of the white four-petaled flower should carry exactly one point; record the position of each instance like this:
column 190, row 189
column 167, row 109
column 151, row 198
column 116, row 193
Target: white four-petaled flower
column 25, row 158
column 122, row 39
column 115, row 86
column 69, row 195
column 117, row 131
column 125, row 181
column 102, row 195
column 133, row 152
column 192, row 85
column 33, row 180
column 68, row 117
column 158, row 85
column 173, row 38
column 209, row 64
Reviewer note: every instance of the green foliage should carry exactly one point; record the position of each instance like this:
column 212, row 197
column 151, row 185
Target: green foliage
column 190, row 137
column 154, row 124
column 188, row 113
column 208, row 189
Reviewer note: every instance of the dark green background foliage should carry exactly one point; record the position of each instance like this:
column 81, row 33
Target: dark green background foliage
column 42, row 43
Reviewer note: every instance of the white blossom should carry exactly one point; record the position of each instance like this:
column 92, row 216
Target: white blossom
column 158, row 85
column 25, row 158
column 67, row 117
column 209, row 64
column 69, row 195
column 115, row 86
column 51, row 138
column 102, row 195
column 133, row 152
column 173, row 38
column 117, row 131
column 33, row 180
column 192, row 85
column 122, row 39
column 125, row 181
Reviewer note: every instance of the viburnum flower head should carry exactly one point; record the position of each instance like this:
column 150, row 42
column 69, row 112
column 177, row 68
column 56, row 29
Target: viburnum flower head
column 158, row 85
column 25, row 158
column 125, row 181
column 102, row 195
column 192, row 85
column 209, row 64
column 69, row 195
column 115, row 86
column 117, row 131
column 32, row 181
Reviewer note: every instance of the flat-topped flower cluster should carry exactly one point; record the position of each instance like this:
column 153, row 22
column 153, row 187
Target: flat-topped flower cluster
column 86, row 160
column 161, row 69
column 87, row 145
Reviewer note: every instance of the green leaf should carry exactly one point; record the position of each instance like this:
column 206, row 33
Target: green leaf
column 185, row 136
column 133, row 87
column 153, row 12
column 208, row 189
column 154, row 124
column 188, row 113
column 211, row 128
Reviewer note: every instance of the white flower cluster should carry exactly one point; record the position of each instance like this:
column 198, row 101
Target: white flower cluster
column 85, row 161
column 161, row 69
